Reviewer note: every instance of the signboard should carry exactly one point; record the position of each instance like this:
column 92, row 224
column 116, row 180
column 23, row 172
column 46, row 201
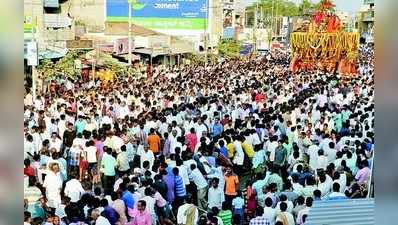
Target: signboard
column 79, row 44
column 31, row 53
column 246, row 49
column 229, row 33
column 29, row 23
column 121, row 46
column 160, row 14
column 51, row 3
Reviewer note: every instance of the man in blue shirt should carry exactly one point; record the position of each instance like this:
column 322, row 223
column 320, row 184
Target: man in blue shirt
column 218, row 128
column 127, row 197
column 110, row 213
column 223, row 149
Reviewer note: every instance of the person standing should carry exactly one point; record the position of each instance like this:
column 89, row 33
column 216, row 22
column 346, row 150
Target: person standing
column 225, row 214
column 180, row 191
column 153, row 141
column 108, row 164
column 231, row 185
column 143, row 217
column 215, row 195
column 73, row 188
column 259, row 219
column 53, row 184
column 122, row 162
column 201, row 184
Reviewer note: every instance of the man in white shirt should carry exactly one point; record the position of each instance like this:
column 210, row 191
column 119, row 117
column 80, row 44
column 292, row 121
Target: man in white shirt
column 215, row 195
column 186, row 210
column 55, row 142
column 146, row 155
column 73, row 188
column 304, row 211
column 201, row 184
column 269, row 212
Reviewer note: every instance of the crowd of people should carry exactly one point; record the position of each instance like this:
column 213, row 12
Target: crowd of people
column 237, row 142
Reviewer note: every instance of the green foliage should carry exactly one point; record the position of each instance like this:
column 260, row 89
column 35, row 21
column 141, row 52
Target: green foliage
column 229, row 48
column 281, row 8
column 64, row 67
column 46, row 67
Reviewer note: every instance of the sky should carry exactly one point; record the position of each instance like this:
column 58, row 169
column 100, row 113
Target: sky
column 351, row 6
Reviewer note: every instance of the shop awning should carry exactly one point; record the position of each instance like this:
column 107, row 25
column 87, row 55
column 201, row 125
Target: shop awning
column 49, row 54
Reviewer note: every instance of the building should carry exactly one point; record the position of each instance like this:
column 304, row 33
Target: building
column 198, row 21
column 49, row 24
column 366, row 18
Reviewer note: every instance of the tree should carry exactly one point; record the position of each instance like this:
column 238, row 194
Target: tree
column 46, row 67
column 66, row 65
column 229, row 48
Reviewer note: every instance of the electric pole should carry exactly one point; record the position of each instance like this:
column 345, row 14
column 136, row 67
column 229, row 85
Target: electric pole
column 131, row 2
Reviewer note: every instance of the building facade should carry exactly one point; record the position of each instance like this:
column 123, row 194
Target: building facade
column 366, row 19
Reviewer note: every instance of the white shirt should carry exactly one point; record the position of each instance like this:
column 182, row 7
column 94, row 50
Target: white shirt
column 184, row 174
column 91, row 154
column 198, row 179
column 215, row 197
column 56, row 144
column 270, row 214
column 102, row 221
column 239, row 155
column 147, row 156
column 322, row 162
column 271, row 148
column 182, row 218
column 74, row 190
column 150, row 204
column 313, row 153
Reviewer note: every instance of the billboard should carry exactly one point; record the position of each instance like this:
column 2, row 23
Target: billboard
column 161, row 14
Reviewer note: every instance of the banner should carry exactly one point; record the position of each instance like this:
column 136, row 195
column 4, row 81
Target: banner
column 160, row 14
column 121, row 46
column 32, row 54
column 79, row 44
column 29, row 24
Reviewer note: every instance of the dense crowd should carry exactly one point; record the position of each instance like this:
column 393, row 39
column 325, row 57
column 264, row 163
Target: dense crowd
column 237, row 142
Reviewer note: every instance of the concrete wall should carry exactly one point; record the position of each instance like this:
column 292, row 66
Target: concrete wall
column 91, row 12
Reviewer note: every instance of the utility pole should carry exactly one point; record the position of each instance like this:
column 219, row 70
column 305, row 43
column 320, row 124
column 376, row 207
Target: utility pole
column 34, row 71
column 255, row 29
column 205, row 31
column 272, row 24
column 131, row 2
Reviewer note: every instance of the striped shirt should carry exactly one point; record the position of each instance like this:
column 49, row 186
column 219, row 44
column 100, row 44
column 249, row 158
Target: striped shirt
column 259, row 220
column 226, row 217
column 179, row 186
